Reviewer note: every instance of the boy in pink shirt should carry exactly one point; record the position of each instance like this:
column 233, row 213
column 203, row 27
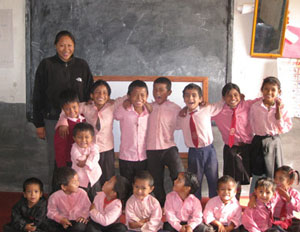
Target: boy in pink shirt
column 161, row 148
column 224, row 212
column 68, row 208
column 143, row 212
column 85, row 158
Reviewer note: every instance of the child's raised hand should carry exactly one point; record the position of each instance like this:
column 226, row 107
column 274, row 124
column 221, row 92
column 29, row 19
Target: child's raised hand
column 278, row 108
column 252, row 201
column 30, row 227
column 283, row 193
column 65, row 223
column 63, row 131
column 82, row 220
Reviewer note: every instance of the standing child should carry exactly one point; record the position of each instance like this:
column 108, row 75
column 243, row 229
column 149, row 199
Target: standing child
column 69, row 104
column 29, row 214
column 161, row 148
column 107, row 207
column 198, row 136
column 143, row 211
column 85, row 158
column 224, row 212
column 133, row 126
column 269, row 118
column 183, row 210
column 68, row 208
column 289, row 200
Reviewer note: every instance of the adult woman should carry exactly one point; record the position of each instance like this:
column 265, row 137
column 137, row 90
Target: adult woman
column 53, row 75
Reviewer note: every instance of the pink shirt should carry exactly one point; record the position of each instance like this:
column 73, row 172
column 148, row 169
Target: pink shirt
column 70, row 206
column 263, row 121
column 293, row 205
column 108, row 215
column 91, row 172
column 137, row 210
column 259, row 219
column 161, row 126
column 177, row 210
column 133, row 128
column 202, row 119
column 215, row 209
column 243, row 132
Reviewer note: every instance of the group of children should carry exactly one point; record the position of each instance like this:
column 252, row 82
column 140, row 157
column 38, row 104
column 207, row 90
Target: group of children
column 84, row 140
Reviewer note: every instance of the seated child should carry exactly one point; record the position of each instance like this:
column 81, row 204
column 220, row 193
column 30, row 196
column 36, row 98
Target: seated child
column 69, row 104
column 107, row 207
column 224, row 212
column 29, row 213
column 289, row 199
column 85, row 158
column 143, row 211
column 260, row 217
column 68, row 208
column 183, row 210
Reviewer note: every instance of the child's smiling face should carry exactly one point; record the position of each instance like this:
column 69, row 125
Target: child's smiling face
column 160, row 92
column 226, row 191
column 100, row 96
column 71, row 109
column 270, row 92
column 138, row 97
column 232, row 98
column 264, row 194
column 192, row 99
column 83, row 138
column 142, row 188
column 282, row 180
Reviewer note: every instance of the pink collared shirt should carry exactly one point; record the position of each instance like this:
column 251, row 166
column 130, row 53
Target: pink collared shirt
column 177, row 210
column 263, row 121
column 133, row 128
column 108, row 215
column 91, row 172
column 161, row 125
column 293, row 205
column 243, row 130
column 202, row 119
column 137, row 210
column 215, row 209
column 70, row 206
column 259, row 219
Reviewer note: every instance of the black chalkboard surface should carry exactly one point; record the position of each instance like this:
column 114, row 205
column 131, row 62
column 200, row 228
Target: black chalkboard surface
column 135, row 37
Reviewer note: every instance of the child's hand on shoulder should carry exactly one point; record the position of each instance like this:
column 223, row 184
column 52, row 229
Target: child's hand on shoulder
column 110, row 101
column 183, row 112
column 30, row 227
column 252, row 201
column 126, row 104
column 65, row 223
column 148, row 107
column 63, row 131
column 82, row 220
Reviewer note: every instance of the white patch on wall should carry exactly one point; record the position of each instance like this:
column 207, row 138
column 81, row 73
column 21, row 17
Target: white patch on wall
column 6, row 39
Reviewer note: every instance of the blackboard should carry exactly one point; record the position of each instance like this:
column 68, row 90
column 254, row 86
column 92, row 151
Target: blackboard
column 135, row 37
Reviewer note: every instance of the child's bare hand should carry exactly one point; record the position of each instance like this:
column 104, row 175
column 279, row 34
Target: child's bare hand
column 110, row 101
column 148, row 107
column 188, row 228
column 81, row 163
column 63, row 131
column 183, row 112
column 283, row 193
column 182, row 229
column 30, row 227
column 135, row 224
column 221, row 228
column 252, row 202
column 82, row 220
column 65, row 223
column 278, row 102
column 92, row 206
column 41, row 132
column 89, row 102
column 126, row 104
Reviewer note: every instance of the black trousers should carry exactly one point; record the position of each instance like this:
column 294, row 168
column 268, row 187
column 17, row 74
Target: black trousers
column 56, row 227
column 156, row 162
column 96, row 227
column 92, row 190
column 107, row 164
column 200, row 228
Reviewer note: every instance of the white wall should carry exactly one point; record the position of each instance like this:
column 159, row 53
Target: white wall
column 12, row 79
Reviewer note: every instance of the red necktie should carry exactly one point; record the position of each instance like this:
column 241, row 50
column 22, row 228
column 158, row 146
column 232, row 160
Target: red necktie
column 193, row 130
column 232, row 129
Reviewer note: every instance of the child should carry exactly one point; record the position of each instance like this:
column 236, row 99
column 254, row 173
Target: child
column 289, row 199
column 143, row 211
column 29, row 214
column 260, row 218
column 224, row 212
column 183, row 210
column 268, row 118
column 68, row 208
column 233, row 124
column 69, row 104
column 107, row 206
column 85, row 158
column 133, row 126
column 197, row 132
column 161, row 148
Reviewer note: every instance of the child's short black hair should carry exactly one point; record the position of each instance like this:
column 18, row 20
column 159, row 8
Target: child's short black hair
column 68, row 96
column 135, row 84
column 83, row 126
column 225, row 179
column 191, row 180
column 144, row 175
column 121, row 187
column 271, row 80
column 33, row 180
column 193, row 86
column 265, row 182
column 64, row 33
column 62, row 176
column 228, row 87
column 98, row 83
column 164, row 80
column 290, row 173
